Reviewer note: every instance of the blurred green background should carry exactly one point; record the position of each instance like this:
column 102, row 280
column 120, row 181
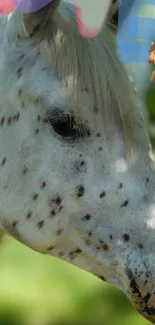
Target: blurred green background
column 42, row 290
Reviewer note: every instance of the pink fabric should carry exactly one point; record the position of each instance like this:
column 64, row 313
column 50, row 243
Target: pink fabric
column 6, row 6
column 85, row 32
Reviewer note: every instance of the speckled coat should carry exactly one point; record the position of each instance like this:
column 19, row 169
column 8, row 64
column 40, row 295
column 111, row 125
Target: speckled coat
column 76, row 170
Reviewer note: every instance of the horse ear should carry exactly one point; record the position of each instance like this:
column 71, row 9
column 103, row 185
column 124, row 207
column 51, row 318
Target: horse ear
column 34, row 24
column 152, row 43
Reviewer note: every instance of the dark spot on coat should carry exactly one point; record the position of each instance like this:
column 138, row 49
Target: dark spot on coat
column 60, row 208
column 20, row 91
column 95, row 109
column 45, row 68
column 125, row 203
column 140, row 125
column 61, row 254
column 121, row 185
column 13, row 231
column 3, row 161
column 80, row 190
column 50, row 248
column 135, row 288
column 78, row 165
column 15, row 223
column 147, row 180
column 40, row 224
column 126, row 237
column 145, row 198
column 140, row 246
column 147, row 297
column 101, row 277
column 22, row 57
column 88, row 133
column 73, row 253
column 17, row 116
column 9, row 120
column 100, row 148
column 43, row 185
column 39, row 117
column 52, row 213
column 19, row 72
column 37, row 131
column 129, row 273
column 111, row 237
column 102, row 194
column 85, row 89
column 105, row 247
column 78, row 250
column 24, row 171
column 2, row 121
column 29, row 215
column 57, row 200
column 35, row 197
column 98, row 134
column 86, row 217
column 59, row 232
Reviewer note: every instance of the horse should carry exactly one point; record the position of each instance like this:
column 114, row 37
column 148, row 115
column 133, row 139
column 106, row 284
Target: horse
column 77, row 176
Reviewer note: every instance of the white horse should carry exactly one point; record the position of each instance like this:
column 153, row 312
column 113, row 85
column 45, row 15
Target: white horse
column 77, row 179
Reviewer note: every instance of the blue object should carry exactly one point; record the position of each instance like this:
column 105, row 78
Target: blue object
column 29, row 6
column 128, row 49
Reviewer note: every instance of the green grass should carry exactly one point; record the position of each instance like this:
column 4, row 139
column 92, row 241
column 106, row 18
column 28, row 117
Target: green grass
column 41, row 290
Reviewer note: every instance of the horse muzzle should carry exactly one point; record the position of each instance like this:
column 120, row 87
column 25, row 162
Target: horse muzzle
column 142, row 294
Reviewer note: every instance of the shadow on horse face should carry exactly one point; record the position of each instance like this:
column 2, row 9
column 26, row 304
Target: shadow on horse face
column 76, row 178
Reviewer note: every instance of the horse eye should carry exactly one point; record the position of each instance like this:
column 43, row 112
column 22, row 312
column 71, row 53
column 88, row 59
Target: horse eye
column 66, row 126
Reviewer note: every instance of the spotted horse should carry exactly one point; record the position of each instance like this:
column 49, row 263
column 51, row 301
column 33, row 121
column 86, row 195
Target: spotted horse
column 77, row 177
